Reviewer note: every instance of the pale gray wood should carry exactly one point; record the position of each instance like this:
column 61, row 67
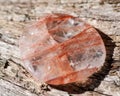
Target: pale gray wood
column 9, row 89
column 16, row 14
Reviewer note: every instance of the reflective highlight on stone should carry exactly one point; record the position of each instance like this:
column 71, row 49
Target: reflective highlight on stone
column 61, row 49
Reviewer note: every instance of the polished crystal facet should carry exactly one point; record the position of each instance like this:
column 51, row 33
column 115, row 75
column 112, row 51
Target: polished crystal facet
column 61, row 49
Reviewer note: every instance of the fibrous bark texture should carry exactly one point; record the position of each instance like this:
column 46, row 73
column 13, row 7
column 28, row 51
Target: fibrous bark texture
column 104, row 15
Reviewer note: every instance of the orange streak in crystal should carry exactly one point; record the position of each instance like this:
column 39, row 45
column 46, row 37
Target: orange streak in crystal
column 81, row 76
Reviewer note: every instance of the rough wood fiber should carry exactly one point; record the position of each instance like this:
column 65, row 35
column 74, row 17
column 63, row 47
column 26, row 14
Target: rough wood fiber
column 15, row 14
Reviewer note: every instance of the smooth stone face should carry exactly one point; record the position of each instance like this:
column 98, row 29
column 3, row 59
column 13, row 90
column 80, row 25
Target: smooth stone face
column 61, row 49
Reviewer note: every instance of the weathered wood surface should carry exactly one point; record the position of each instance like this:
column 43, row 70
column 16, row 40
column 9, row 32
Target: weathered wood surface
column 15, row 15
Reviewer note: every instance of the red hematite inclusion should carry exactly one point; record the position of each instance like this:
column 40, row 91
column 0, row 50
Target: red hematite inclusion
column 61, row 49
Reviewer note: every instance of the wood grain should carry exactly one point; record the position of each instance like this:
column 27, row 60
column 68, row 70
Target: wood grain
column 16, row 14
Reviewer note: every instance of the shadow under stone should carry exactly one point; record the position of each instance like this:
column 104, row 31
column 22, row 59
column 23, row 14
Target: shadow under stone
column 94, row 80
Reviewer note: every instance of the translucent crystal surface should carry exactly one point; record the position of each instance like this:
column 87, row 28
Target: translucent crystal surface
column 61, row 49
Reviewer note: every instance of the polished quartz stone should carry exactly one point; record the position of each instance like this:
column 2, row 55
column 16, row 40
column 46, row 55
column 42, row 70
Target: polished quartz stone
column 61, row 49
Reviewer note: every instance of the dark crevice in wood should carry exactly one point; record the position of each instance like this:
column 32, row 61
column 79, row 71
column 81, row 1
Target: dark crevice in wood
column 0, row 35
column 6, row 65
column 45, row 87
column 7, row 42
column 102, row 93
column 112, row 1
